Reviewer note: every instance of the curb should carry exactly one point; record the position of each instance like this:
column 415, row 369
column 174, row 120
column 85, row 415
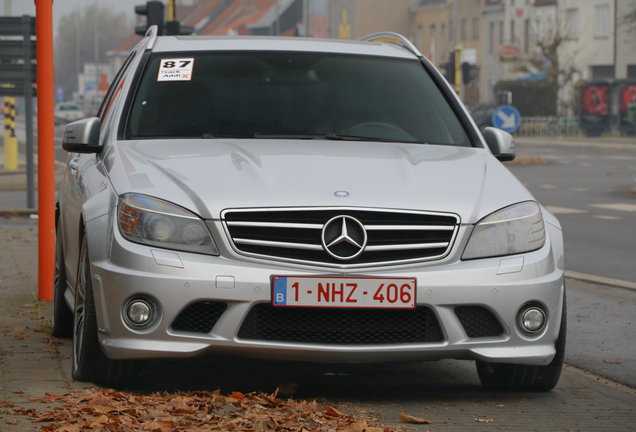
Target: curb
column 21, row 184
column 9, row 212
column 600, row 280
column 623, row 144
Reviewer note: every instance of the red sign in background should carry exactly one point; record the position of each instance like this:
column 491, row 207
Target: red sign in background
column 628, row 96
column 595, row 100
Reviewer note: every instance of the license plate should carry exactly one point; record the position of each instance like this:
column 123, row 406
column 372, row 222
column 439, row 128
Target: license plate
column 343, row 292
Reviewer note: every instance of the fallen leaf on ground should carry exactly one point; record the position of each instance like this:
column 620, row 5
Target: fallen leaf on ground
column 11, row 420
column 483, row 420
column 356, row 427
column 19, row 336
column 69, row 428
column 407, row 418
column 612, row 362
column 334, row 412
column 103, row 409
column 237, row 396
column 6, row 405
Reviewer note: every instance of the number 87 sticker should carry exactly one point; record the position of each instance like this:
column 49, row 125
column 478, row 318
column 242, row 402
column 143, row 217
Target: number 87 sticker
column 175, row 69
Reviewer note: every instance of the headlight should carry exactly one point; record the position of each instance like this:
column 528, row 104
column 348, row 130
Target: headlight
column 153, row 222
column 512, row 230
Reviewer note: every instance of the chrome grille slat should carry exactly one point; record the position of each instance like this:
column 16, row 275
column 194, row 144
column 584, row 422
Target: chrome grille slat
column 408, row 227
column 407, row 247
column 278, row 244
column 275, row 225
column 295, row 235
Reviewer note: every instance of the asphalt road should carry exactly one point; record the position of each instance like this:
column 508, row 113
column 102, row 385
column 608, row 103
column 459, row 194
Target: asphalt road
column 590, row 191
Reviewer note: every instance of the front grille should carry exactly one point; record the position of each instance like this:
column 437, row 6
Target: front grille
column 199, row 317
column 341, row 326
column 478, row 321
column 297, row 235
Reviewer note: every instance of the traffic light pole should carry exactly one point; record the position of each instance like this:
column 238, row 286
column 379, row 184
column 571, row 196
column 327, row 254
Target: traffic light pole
column 46, row 151
column 172, row 16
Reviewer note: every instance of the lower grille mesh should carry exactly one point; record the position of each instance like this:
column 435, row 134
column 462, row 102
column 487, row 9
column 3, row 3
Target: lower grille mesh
column 199, row 317
column 478, row 321
column 341, row 326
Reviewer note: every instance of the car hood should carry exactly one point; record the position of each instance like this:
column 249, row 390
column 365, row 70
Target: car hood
column 208, row 176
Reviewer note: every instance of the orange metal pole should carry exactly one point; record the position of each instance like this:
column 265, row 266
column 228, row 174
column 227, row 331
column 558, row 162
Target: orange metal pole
column 46, row 150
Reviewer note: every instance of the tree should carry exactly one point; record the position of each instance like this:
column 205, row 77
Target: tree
column 548, row 37
column 628, row 21
column 81, row 26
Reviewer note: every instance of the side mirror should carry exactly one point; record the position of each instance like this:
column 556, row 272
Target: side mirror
column 82, row 136
column 501, row 144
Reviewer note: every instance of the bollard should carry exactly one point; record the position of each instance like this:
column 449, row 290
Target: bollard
column 10, row 140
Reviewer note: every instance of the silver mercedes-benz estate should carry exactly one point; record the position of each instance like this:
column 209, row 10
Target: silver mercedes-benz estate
column 300, row 199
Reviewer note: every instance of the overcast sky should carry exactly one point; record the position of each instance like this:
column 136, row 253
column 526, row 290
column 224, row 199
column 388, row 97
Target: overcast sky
column 63, row 7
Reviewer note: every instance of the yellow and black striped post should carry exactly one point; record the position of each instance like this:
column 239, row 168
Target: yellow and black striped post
column 10, row 140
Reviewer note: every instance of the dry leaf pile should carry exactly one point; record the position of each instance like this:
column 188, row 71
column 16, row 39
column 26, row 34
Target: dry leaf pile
column 110, row 410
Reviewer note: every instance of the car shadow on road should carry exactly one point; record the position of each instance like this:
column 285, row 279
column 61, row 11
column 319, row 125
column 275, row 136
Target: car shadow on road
column 360, row 382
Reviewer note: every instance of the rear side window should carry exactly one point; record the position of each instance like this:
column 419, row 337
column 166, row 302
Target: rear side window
column 261, row 94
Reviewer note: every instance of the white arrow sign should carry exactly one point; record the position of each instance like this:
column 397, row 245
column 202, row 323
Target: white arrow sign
column 509, row 121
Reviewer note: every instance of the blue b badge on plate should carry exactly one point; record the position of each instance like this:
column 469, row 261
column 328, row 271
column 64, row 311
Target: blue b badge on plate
column 280, row 291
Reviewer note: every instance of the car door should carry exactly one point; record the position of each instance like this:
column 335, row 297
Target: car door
column 85, row 177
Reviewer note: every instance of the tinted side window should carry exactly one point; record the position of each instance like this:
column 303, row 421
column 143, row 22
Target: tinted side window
column 114, row 87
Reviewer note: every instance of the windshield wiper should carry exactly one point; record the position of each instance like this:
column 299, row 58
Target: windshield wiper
column 329, row 136
column 287, row 136
column 338, row 137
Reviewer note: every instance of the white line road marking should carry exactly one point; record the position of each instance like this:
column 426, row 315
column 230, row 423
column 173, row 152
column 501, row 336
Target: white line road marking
column 563, row 210
column 620, row 157
column 608, row 217
column 617, row 206
column 547, row 186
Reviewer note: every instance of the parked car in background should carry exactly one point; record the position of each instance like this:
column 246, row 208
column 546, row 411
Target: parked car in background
column 482, row 116
column 67, row 112
column 311, row 200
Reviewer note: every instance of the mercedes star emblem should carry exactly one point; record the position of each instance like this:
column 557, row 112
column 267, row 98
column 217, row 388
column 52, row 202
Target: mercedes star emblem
column 344, row 237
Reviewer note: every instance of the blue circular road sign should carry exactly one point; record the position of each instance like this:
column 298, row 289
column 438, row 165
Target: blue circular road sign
column 506, row 118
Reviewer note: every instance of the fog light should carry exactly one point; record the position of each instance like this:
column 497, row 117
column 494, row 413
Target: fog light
column 533, row 319
column 138, row 312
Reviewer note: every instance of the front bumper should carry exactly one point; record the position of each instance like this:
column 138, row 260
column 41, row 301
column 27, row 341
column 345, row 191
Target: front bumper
column 122, row 269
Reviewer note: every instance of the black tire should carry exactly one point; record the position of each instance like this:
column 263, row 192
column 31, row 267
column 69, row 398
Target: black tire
column 505, row 376
column 61, row 314
column 89, row 361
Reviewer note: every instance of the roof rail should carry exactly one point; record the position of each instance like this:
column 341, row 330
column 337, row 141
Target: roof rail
column 152, row 34
column 393, row 38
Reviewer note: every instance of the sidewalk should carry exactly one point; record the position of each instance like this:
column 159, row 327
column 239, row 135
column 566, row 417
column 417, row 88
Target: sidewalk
column 615, row 143
column 32, row 364
column 17, row 180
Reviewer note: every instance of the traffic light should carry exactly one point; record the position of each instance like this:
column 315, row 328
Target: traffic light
column 154, row 16
column 466, row 75
column 174, row 28
column 450, row 68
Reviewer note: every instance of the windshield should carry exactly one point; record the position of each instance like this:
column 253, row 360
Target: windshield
column 291, row 95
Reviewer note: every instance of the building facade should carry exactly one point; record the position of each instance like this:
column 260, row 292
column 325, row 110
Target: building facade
column 432, row 32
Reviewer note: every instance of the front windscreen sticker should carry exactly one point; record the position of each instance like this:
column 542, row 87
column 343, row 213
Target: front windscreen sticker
column 176, row 69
